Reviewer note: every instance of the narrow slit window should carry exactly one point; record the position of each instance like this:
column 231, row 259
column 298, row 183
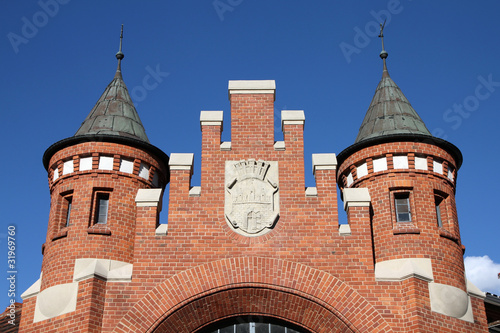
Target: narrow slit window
column 438, row 201
column 402, row 203
column 102, row 205
column 69, row 203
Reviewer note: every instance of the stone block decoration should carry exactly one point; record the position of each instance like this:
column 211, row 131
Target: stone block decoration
column 252, row 196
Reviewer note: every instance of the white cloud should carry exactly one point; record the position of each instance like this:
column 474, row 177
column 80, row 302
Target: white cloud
column 483, row 272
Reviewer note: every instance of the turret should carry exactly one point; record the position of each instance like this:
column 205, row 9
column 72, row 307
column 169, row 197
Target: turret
column 94, row 177
column 411, row 178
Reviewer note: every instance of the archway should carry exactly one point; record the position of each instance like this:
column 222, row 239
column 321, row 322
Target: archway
column 253, row 286
column 255, row 302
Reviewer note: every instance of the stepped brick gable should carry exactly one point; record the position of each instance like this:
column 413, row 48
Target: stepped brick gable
column 251, row 245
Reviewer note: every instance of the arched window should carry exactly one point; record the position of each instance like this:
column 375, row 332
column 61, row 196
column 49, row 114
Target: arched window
column 252, row 324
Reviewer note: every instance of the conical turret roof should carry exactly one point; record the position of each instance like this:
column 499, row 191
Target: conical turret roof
column 112, row 119
column 391, row 118
column 390, row 112
column 114, row 114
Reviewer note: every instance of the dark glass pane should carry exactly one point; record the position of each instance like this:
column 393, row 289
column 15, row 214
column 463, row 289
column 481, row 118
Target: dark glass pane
column 438, row 214
column 261, row 328
column 68, row 212
column 243, row 328
column 402, row 205
column 277, row 329
column 404, row 217
column 402, row 208
column 102, row 208
column 253, row 325
column 229, row 329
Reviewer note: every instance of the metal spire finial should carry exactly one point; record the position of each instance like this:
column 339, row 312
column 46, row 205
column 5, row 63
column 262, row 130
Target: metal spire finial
column 120, row 55
column 383, row 53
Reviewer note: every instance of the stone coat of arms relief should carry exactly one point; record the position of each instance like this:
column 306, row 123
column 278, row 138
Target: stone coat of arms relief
column 252, row 196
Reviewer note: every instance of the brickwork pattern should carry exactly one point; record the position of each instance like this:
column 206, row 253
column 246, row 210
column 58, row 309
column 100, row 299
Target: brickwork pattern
column 303, row 271
column 422, row 237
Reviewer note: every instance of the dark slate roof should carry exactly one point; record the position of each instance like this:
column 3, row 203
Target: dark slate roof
column 114, row 114
column 390, row 113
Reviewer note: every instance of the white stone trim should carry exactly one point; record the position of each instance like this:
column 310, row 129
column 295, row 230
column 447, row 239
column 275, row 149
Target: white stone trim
column 148, row 197
column 106, row 162
column 85, row 163
column 362, row 170
column 211, row 118
column 401, row 269
column 350, row 180
column 144, row 171
column 356, row 197
column 380, row 164
column 126, row 166
column 55, row 301
column 420, row 163
column 195, row 191
column 400, row 162
column 324, row 162
column 251, row 91
column 33, row 290
column 279, row 145
column 161, row 230
column 344, row 230
column 68, row 167
column 181, row 161
column 252, row 87
column 437, row 167
column 225, row 146
column 448, row 300
column 474, row 291
column 450, row 173
column 445, row 299
column 469, row 315
column 110, row 270
column 292, row 117
column 311, row 192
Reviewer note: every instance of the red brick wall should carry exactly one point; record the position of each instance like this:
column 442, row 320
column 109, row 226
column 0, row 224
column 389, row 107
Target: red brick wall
column 302, row 271
column 258, row 133
column 422, row 238
column 84, row 239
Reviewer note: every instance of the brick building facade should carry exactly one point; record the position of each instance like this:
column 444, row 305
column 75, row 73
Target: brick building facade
column 252, row 249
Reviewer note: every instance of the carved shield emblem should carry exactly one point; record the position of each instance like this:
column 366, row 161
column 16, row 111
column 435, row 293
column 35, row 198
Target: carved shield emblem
column 252, row 196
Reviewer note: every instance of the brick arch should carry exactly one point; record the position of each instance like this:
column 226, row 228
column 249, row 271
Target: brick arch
column 221, row 282
column 256, row 301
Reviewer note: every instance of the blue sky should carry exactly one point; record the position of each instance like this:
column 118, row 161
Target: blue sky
column 57, row 56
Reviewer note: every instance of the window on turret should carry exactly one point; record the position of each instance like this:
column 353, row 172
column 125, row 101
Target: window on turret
column 438, row 211
column 402, row 204
column 69, row 203
column 100, row 208
column 102, row 204
column 440, row 204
